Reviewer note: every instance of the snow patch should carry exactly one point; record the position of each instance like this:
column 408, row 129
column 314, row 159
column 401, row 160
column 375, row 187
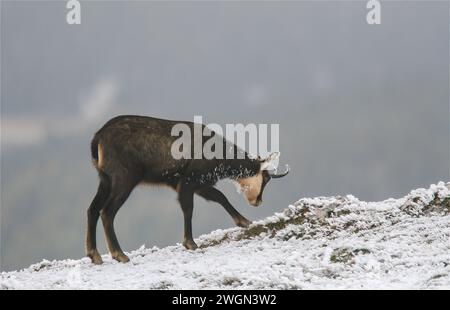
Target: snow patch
column 316, row 243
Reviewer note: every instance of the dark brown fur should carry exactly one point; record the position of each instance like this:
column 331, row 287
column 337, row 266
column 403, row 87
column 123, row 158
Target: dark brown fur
column 130, row 150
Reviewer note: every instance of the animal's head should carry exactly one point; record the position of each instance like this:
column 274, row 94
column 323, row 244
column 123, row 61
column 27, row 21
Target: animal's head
column 253, row 187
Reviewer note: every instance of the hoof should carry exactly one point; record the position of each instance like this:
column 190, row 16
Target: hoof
column 190, row 244
column 121, row 258
column 95, row 258
column 243, row 222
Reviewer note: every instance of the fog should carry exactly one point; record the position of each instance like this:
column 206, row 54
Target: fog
column 363, row 109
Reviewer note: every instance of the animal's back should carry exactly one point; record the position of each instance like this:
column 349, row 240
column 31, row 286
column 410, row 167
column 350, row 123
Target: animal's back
column 139, row 141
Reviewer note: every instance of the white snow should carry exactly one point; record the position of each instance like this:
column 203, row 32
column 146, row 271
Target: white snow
column 316, row 243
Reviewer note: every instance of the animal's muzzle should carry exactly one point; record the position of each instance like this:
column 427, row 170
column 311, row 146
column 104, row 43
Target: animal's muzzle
column 256, row 203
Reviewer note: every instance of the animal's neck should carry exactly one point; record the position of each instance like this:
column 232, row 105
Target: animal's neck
column 245, row 168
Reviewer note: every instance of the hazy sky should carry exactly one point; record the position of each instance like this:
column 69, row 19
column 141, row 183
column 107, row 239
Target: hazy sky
column 363, row 110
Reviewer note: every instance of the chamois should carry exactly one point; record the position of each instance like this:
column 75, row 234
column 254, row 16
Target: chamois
column 129, row 150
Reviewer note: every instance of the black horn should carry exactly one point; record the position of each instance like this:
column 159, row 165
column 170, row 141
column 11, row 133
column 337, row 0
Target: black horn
column 276, row 176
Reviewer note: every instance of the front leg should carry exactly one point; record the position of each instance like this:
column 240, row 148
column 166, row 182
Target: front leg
column 186, row 199
column 213, row 194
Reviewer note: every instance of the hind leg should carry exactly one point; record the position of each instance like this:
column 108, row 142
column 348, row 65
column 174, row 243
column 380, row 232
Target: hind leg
column 119, row 194
column 93, row 214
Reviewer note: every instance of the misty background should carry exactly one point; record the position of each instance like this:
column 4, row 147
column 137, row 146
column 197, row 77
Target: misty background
column 363, row 109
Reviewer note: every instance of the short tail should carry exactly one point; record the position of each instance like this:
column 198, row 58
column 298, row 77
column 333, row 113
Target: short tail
column 97, row 152
column 94, row 149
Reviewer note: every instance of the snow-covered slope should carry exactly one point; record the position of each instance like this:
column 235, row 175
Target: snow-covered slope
column 318, row 243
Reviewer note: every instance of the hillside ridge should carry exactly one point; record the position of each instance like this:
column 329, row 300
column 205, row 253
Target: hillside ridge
column 315, row 243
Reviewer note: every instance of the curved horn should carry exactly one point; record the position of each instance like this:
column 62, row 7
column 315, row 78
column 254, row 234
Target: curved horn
column 276, row 176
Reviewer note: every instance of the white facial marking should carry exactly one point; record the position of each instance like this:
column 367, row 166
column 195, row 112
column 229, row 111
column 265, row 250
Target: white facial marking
column 251, row 187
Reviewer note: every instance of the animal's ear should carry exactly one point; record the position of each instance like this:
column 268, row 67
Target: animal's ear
column 269, row 162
